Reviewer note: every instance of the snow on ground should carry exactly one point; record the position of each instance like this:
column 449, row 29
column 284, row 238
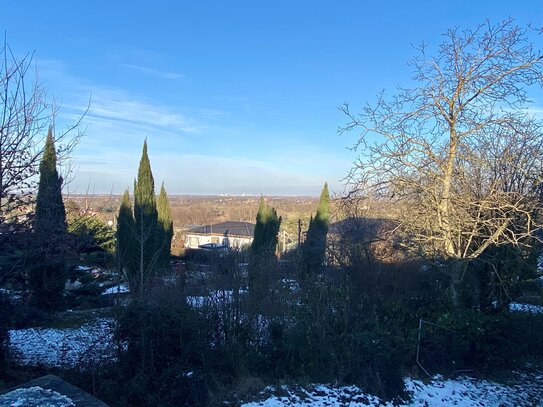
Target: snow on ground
column 12, row 296
column 83, row 268
column 117, row 289
column 317, row 396
column 94, row 270
column 534, row 309
column 214, row 297
column 527, row 390
column 63, row 347
column 35, row 397
column 465, row 391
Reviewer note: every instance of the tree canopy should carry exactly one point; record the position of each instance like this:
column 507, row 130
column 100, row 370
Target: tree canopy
column 459, row 151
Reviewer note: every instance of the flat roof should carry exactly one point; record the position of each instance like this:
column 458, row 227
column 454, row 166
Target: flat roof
column 242, row 229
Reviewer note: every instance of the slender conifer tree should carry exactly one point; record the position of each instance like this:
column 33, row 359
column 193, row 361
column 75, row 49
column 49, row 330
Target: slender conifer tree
column 262, row 260
column 147, row 247
column 165, row 226
column 50, row 214
column 314, row 247
column 126, row 244
column 47, row 273
column 266, row 229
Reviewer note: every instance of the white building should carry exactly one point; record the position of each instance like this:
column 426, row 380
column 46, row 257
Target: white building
column 230, row 234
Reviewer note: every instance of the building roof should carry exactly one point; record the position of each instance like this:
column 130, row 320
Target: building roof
column 241, row 229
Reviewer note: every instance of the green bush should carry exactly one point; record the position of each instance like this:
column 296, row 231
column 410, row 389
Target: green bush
column 468, row 339
column 47, row 282
column 90, row 233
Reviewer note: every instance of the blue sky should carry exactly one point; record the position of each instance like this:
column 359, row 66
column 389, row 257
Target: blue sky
column 232, row 96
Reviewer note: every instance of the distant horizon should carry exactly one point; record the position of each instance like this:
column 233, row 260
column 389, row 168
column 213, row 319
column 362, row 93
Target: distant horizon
column 68, row 195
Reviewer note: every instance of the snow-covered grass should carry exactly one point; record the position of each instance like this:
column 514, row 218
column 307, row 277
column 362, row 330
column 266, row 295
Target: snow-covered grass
column 214, row 297
column 35, row 397
column 534, row 309
column 94, row 270
column 117, row 289
column 14, row 297
column 63, row 347
column 317, row 396
column 525, row 390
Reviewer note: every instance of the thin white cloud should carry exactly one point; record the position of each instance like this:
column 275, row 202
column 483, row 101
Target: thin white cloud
column 114, row 105
column 153, row 72
column 535, row 111
column 118, row 121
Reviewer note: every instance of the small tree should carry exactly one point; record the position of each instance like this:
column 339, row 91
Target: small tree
column 314, row 247
column 457, row 198
column 165, row 226
column 48, row 272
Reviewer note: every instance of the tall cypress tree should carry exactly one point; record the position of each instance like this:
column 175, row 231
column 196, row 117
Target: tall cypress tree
column 47, row 273
column 126, row 244
column 314, row 247
column 165, row 226
column 50, row 213
column 146, row 221
column 266, row 230
column 263, row 247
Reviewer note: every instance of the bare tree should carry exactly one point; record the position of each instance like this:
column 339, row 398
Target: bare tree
column 459, row 153
column 25, row 115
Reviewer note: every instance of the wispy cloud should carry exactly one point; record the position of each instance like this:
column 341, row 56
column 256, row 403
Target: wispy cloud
column 153, row 72
column 535, row 111
column 111, row 104
column 119, row 106
column 195, row 150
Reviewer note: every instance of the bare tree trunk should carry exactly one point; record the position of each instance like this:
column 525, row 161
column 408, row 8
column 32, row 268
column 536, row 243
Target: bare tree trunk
column 444, row 202
column 456, row 271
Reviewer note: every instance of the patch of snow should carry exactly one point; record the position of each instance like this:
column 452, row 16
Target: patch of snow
column 318, row 396
column 534, row 309
column 467, row 391
column 196, row 301
column 94, row 270
column 291, row 284
column 35, row 397
column 117, row 289
column 214, row 297
column 12, row 296
column 75, row 285
column 462, row 391
column 63, row 347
